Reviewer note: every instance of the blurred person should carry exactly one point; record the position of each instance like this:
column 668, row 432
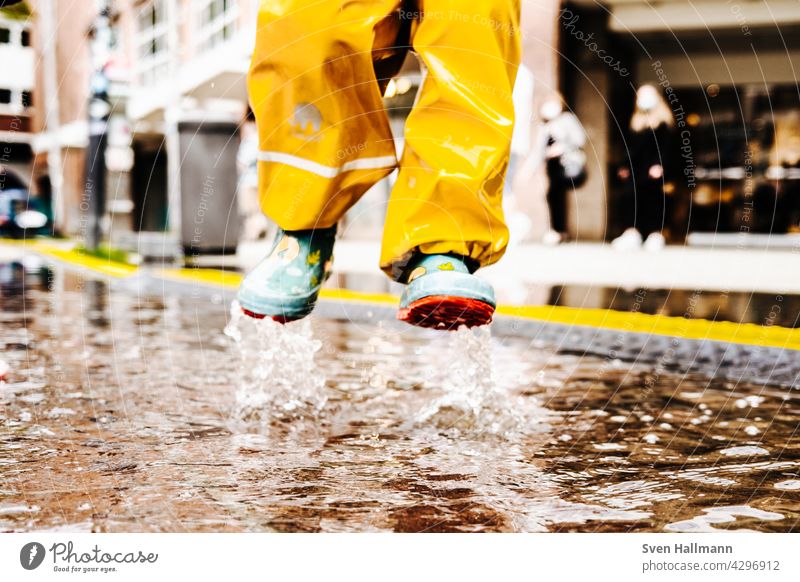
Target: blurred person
column 316, row 81
column 646, row 177
column 559, row 149
column 562, row 138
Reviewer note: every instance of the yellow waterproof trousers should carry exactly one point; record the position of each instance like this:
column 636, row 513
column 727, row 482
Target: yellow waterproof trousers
column 315, row 85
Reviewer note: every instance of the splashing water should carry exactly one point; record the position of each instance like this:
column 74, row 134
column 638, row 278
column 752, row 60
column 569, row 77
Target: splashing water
column 472, row 399
column 279, row 379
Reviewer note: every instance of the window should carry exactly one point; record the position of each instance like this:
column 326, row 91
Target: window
column 16, row 100
column 15, row 33
column 217, row 22
column 151, row 42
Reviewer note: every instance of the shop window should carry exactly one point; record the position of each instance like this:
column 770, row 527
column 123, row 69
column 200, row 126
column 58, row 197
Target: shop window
column 27, row 99
column 217, row 22
column 5, row 97
column 26, row 38
column 5, row 36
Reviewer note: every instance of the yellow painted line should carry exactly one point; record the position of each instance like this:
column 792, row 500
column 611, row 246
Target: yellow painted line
column 73, row 257
column 624, row 321
column 96, row 264
column 723, row 331
column 212, row 277
column 15, row 241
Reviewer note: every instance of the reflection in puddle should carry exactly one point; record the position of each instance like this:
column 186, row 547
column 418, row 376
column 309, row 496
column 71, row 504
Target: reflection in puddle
column 722, row 516
column 119, row 413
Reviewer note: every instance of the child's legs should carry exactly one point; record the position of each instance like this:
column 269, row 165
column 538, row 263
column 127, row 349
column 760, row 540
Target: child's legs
column 324, row 137
column 448, row 196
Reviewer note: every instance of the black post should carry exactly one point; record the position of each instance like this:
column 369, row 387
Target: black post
column 99, row 113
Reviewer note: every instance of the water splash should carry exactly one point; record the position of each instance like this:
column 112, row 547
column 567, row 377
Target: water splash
column 472, row 398
column 279, row 378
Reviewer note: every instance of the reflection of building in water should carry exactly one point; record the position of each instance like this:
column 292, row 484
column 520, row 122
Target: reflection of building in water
column 727, row 70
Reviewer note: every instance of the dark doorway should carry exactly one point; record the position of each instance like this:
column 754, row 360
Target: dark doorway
column 149, row 185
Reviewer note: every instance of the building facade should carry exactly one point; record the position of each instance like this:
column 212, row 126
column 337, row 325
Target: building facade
column 43, row 96
column 174, row 63
column 178, row 67
column 187, row 63
column 727, row 70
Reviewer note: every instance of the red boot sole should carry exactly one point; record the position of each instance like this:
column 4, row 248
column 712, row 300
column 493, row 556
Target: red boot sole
column 277, row 318
column 445, row 312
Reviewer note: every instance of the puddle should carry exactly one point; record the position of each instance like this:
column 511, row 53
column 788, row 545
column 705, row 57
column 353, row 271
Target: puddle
column 124, row 412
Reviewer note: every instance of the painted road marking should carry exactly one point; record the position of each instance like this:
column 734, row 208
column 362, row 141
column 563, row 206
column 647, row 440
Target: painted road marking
column 633, row 322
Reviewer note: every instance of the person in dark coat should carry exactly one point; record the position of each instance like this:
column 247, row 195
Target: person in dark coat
column 647, row 174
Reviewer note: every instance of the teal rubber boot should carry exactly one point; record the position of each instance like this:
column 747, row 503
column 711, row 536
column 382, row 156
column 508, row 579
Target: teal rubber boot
column 442, row 293
column 285, row 285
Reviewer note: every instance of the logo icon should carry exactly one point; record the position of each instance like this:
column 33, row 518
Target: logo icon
column 31, row 555
column 306, row 121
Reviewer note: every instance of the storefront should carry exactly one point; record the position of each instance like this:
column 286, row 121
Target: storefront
column 727, row 71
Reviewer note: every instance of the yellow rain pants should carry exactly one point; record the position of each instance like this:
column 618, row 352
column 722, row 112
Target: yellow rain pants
column 315, row 85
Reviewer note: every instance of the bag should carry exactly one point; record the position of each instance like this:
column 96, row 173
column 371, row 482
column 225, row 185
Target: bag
column 573, row 165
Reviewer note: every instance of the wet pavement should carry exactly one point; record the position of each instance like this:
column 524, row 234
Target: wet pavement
column 131, row 412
